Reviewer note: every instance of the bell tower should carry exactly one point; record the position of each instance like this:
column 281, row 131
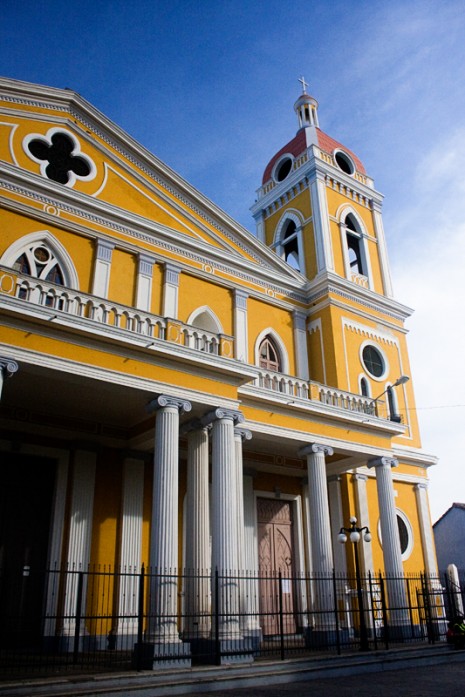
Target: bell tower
column 318, row 209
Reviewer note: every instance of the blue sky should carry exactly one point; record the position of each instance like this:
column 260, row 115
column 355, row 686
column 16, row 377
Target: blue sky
column 209, row 87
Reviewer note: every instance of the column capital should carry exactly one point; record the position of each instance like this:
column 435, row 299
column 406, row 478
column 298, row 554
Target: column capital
column 161, row 401
column 193, row 425
column 313, row 448
column 383, row 462
column 172, row 273
column 242, row 433
column 8, row 365
column 421, row 485
column 219, row 413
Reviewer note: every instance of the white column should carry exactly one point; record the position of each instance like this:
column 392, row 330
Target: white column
column 102, row 268
column 198, row 557
column 392, row 554
column 426, row 530
column 324, row 249
column 80, row 532
column 144, row 282
column 241, row 435
column 240, row 326
column 8, row 367
column 170, row 291
column 164, row 528
column 251, row 557
column 337, row 521
column 300, row 343
column 382, row 250
column 320, row 533
column 225, row 505
column 363, row 518
column 131, row 546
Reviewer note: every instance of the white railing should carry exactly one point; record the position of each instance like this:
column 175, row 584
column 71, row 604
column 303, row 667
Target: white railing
column 201, row 340
column 86, row 306
column 283, row 383
column 346, row 400
column 90, row 307
column 303, row 389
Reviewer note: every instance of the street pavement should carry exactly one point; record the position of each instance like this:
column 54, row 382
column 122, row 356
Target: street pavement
column 429, row 681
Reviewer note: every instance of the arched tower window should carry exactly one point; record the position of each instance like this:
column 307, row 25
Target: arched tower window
column 354, row 246
column 288, row 242
column 357, row 264
column 269, row 358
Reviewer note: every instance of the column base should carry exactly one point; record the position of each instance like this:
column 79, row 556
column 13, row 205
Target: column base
column 151, row 656
column 223, row 652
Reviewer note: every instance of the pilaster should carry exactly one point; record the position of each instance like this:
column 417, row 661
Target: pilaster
column 144, row 282
column 171, row 290
column 240, row 326
column 102, row 268
column 300, row 342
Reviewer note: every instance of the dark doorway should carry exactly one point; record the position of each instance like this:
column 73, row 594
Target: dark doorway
column 26, row 494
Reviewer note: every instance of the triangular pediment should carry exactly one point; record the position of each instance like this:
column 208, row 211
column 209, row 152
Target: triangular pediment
column 111, row 172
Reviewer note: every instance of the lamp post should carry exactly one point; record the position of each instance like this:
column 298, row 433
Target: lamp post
column 400, row 381
column 355, row 535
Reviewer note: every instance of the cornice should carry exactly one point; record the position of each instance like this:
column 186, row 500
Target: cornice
column 331, row 283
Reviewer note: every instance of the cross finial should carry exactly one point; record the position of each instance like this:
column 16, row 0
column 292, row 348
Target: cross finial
column 304, row 84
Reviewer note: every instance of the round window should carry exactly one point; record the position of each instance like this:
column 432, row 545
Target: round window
column 283, row 169
column 373, row 361
column 344, row 162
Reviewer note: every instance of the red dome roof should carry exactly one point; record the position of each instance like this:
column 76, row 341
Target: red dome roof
column 299, row 144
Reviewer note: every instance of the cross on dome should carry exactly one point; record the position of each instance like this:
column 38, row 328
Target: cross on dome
column 304, row 84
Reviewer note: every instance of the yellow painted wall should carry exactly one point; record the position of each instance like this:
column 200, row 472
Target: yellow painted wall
column 197, row 292
column 122, row 287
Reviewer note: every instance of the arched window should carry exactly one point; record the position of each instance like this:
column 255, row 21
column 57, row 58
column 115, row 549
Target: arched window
column 39, row 260
column 355, row 247
column 269, row 355
column 364, row 387
column 42, row 256
column 288, row 242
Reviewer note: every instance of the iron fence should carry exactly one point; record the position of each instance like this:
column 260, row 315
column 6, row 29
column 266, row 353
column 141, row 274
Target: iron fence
column 63, row 620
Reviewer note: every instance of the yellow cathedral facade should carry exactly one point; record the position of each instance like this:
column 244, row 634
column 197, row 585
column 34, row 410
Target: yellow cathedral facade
column 180, row 394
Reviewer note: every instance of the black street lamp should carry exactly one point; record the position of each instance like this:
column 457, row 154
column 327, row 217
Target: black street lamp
column 355, row 534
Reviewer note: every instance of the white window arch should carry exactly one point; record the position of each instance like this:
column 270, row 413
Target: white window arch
column 203, row 330
column 288, row 240
column 269, row 339
column 355, row 249
column 42, row 256
column 364, row 386
column 205, row 318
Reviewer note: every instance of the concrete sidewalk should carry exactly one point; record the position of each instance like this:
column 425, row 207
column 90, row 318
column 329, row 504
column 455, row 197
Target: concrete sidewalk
column 429, row 670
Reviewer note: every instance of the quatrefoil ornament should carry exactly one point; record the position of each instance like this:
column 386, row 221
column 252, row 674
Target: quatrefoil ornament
column 60, row 157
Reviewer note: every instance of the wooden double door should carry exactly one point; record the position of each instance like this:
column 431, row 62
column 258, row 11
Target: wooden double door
column 276, row 555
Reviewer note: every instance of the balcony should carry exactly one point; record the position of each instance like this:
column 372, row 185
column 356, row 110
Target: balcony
column 291, row 387
column 97, row 314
